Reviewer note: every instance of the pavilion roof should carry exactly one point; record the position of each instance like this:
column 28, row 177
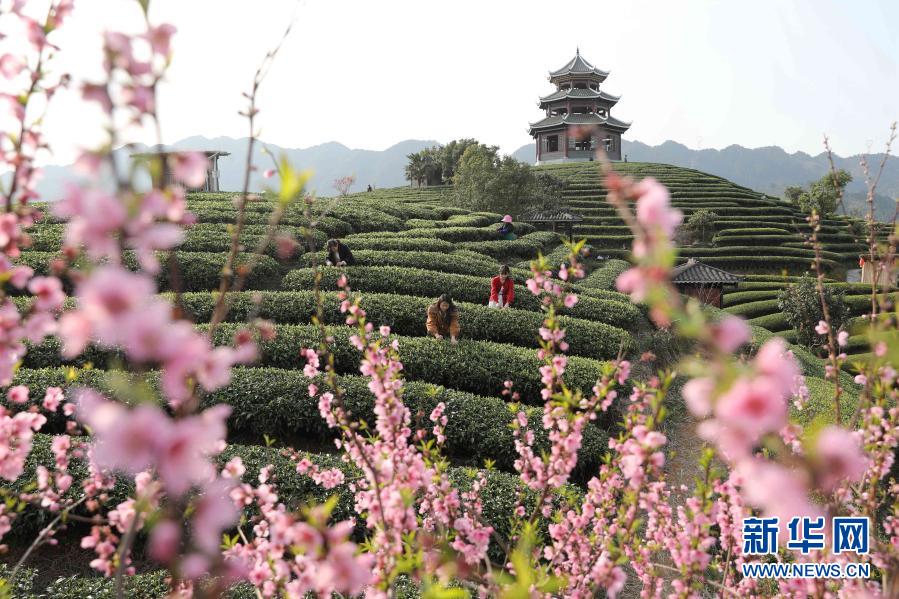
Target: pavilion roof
column 579, row 94
column 552, row 216
column 694, row 272
column 565, row 120
column 578, row 66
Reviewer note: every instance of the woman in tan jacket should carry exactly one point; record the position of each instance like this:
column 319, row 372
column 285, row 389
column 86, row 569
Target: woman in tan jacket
column 443, row 318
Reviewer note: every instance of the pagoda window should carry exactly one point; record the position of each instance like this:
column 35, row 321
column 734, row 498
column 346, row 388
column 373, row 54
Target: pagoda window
column 552, row 143
column 565, row 86
column 602, row 112
column 580, row 110
column 610, row 144
column 594, row 87
column 580, row 85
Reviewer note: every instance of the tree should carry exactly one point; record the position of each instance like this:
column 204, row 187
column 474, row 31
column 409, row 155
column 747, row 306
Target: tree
column 824, row 194
column 343, row 184
column 792, row 194
column 801, row 305
column 701, row 225
column 472, row 181
column 415, row 169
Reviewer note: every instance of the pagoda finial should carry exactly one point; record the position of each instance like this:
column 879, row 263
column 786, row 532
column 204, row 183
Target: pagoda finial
column 577, row 51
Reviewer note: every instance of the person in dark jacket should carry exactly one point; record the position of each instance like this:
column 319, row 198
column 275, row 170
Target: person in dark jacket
column 443, row 318
column 502, row 289
column 506, row 230
column 339, row 254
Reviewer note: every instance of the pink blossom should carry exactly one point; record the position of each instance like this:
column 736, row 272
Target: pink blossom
column 730, row 333
column 48, row 292
column 164, row 541
column 840, row 457
column 843, row 338
column 18, row 394
column 52, row 398
column 190, row 168
column 160, row 38
column 821, row 328
column 756, row 406
column 10, row 66
column 269, row 173
column 697, row 395
column 654, row 210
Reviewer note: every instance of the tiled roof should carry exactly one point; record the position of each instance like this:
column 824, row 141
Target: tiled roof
column 579, row 66
column 580, row 119
column 695, row 272
column 577, row 93
column 551, row 216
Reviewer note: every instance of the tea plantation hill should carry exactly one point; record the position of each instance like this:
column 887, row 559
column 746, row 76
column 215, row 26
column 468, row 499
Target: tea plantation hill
column 411, row 245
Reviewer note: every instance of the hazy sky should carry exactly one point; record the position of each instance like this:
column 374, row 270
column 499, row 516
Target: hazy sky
column 369, row 74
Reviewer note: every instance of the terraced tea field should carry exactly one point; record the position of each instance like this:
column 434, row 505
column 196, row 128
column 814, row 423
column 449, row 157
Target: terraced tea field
column 411, row 246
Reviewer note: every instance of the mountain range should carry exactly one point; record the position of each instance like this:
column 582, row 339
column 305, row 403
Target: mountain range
column 768, row 169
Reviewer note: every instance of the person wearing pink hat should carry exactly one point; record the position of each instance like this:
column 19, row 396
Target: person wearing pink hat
column 506, row 230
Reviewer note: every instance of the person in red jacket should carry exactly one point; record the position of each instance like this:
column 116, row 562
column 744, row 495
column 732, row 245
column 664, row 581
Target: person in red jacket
column 502, row 289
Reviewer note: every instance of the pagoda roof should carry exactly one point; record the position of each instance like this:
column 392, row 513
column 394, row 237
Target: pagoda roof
column 694, row 272
column 565, row 120
column 579, row 94
column 578, row 66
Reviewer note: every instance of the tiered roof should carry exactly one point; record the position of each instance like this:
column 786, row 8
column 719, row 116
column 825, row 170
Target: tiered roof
column 578, row 66
column 590, row 118
column 598, row 103
column 578, row 94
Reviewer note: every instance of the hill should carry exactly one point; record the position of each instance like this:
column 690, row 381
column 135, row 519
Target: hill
column 769, row 169
column 411, row 245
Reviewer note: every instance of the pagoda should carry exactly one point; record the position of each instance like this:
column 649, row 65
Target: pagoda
column 577, row 101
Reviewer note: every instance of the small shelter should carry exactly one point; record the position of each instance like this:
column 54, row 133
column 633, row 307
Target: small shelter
column 705, row 283
column 168, row 176
column 555, row 218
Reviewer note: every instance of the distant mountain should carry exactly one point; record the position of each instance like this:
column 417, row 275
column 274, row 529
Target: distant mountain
column 328, row 162
column 769, row 170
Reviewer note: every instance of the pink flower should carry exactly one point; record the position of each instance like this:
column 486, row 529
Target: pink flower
column 633, row 282
column 160, row 38
column 52, row 398
column 10, row 66
column 48, row 292
column 214, row 513
column 839, row 457
column 697, row 395
column 269, row 173
column 18, row 394
column 843, row 338
column 821, row 328
column 654, row 210
column 164, row 541
column 755, row 405
column 190, row 168
column 730, row 333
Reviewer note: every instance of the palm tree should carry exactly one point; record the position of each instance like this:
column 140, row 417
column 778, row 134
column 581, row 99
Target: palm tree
column 415, row 168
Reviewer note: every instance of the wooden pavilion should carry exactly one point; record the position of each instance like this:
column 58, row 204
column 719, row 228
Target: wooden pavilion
column 555, row 218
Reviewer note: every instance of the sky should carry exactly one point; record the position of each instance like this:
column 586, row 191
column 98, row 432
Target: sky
column 369, row 74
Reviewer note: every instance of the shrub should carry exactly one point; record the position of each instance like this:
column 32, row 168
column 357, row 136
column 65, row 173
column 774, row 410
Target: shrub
column 527, row 246
column 801, row 305
column 477, row 366
column 196, row 270
column 405, row 315
column 272, row 401
column 443, row 262
column 604, row 277
column 417, row 244
column 466, row 288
